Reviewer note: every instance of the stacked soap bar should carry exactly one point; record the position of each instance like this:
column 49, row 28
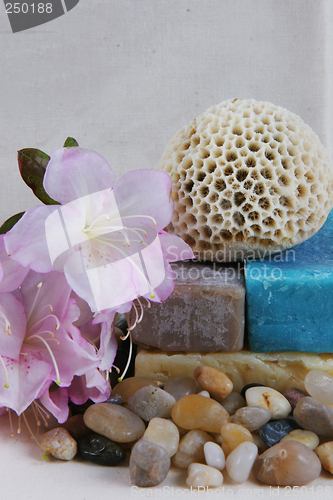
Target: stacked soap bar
column 290, row 297
column 279, row 370
column 205, row 312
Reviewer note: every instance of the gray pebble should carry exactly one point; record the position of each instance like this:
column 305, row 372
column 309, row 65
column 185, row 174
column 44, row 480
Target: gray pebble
column 149, row 464
column 233, row 402
column 149, row 402
column 314, row 416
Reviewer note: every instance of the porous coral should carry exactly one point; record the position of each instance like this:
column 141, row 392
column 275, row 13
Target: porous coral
column 248, row 177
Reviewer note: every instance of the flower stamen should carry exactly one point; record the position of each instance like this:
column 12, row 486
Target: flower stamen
column 49, row 316
column 6, row 321
column 39, row 286
column 120, row 379
column 10, row 421
column 6, row 373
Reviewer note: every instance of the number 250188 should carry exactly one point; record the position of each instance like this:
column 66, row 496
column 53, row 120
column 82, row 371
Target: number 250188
column 25, row 8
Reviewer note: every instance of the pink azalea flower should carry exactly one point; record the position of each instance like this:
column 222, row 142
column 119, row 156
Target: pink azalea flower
column 39, row 344
column 108, row 239
column 12, row 273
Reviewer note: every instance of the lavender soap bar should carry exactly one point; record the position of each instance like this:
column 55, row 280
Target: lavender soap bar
column 205, row 312
column 290, row 297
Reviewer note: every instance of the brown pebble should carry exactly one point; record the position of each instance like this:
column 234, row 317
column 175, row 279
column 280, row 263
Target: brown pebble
column 59, row 443
column 293, row 395
column 130, row 385
column 76, row 427
column 287, row 463
column 197, row 412
column 214, row 381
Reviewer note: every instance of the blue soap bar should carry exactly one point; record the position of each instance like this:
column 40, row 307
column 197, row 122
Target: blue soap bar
column 290, row 297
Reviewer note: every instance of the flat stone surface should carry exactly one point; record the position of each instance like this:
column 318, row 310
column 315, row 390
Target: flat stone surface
column 290, row 301
column 279, row 370
column 206, row 311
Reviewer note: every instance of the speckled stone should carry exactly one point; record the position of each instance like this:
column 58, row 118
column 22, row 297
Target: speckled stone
column 274, row 431
column 293, row 395
column 217, row 383
column 59, row 443
column 287, row 464
column 314, row 416
column 149, row 402
column 197, row 412
column 191, row 449
column 268, row 398
column 101, row 450
column 149, row 464
column 114, row 422
column 179, row 387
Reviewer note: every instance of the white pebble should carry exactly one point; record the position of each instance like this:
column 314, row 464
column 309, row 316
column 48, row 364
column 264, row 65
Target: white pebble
column 320, row 386
column 205, row 394
column 214, row 455
column 200, row 475
column 266, row 397
column 163, row 432
column 240, row 461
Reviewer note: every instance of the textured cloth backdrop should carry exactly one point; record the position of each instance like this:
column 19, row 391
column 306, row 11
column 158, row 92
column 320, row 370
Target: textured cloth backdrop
column 122, row 76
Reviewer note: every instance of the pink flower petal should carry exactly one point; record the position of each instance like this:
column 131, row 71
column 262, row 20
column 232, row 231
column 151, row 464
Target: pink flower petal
column 108, row 344
column 12, row 326
column 174, row 248
column 144, row 193
column 56, row 402
column 92, row 386
column 76, row 172
column 11, row 272
column 26, row 241
column 27, row 377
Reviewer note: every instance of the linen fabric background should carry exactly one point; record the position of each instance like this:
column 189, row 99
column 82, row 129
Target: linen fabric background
column 122, row 76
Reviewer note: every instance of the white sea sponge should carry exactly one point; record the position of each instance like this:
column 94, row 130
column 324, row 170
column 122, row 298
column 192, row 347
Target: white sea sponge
column 248, row 177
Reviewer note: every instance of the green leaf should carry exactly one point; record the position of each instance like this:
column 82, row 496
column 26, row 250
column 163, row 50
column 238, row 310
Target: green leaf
column 9, row 223
column 32, row 165
column 70, row 142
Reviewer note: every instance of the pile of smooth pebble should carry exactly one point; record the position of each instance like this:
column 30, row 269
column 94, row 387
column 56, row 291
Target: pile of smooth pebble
column 202, row 425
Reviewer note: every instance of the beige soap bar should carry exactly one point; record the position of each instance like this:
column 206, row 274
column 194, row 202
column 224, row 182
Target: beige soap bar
column 279, row 370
